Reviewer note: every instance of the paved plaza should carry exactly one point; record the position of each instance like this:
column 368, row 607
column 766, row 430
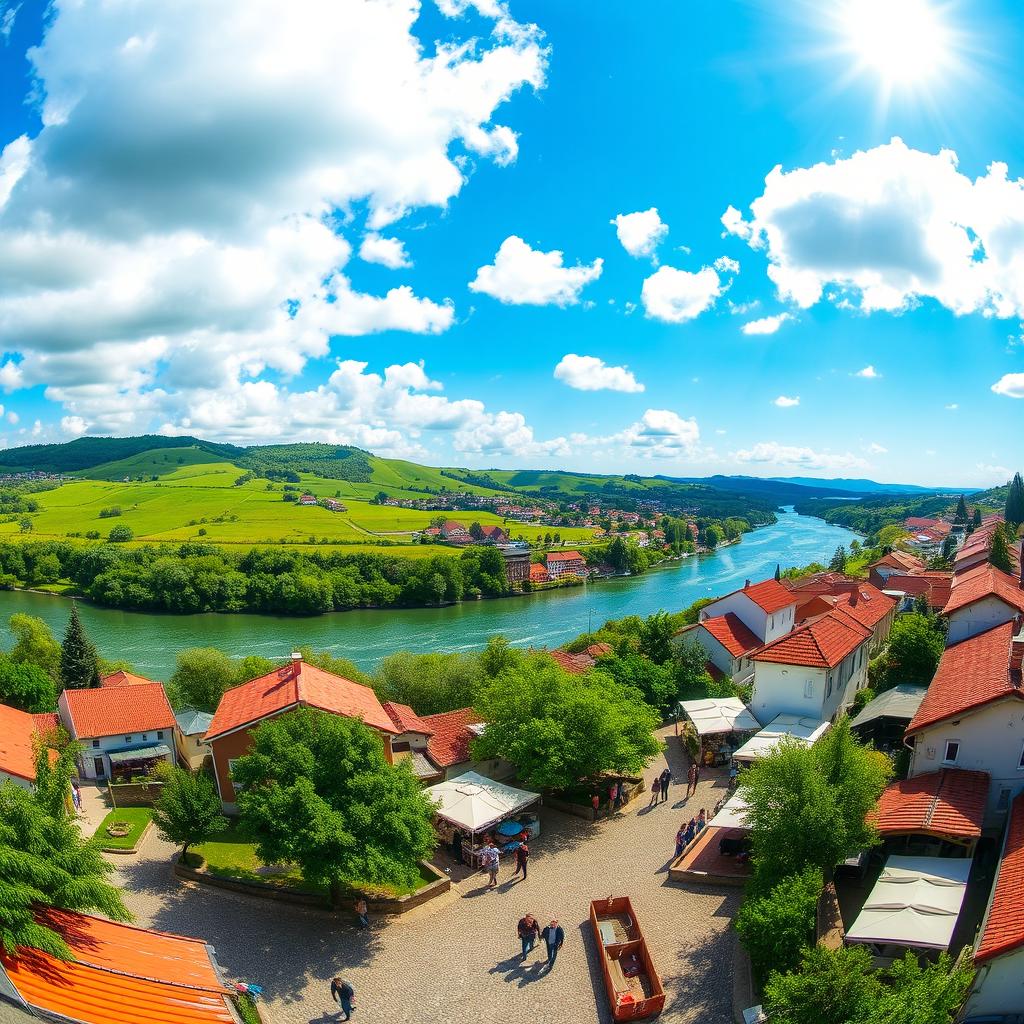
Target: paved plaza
column 457, row 957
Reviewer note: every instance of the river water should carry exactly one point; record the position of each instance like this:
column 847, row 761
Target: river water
column 150, row 641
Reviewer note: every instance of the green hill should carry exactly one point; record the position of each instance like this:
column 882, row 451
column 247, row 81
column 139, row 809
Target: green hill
column 155, row 462
column 90, row 452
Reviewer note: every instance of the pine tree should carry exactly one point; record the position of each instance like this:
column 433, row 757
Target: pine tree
column 961, row 511
column 976, row 521
column 999, row 553
column 1015, row 501
column 778, row 572
column 79, row 663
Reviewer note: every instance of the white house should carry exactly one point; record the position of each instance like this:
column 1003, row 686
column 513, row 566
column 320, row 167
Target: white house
column 19, row 734
column 812, row 672
column 728, row 644
column 980, row 598
column 192, row 727
column 972, row 715
column 998, row 987
column 767, row 609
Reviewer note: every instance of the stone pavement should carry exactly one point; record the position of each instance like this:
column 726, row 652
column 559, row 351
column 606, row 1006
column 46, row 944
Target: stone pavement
column 457, row 957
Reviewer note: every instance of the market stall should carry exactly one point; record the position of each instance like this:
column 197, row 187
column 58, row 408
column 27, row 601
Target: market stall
column 722, row 724
column 802, row 730
column 472, row 809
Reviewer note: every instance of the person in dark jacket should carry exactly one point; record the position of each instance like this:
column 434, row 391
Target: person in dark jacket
column 553, row 937
column 529, row 932
column 342, row 992
column 522, row 856
column 663, row 782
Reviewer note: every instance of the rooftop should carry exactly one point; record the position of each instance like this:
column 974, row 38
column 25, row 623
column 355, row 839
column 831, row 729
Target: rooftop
column 122, row 678
column 192, row 722
column 119, row 710
column 731, row 632
column 769, row 595
column 404, row 718
column 449, row 744
column 981, row 581
column 1003, row 927
column 949, row 803
column 18, row 732
column 901, row 701
column 819, row 643
column 564, row 556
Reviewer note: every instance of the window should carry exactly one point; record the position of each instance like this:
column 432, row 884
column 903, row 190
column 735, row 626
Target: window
column 95, row 743
column 952, row 751
column 160, row 735
column 809, row 688
column 145, row 735
column 127, row 739
column 828, row 688
column 1020, row 760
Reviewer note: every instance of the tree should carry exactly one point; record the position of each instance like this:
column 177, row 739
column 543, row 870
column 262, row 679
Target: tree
column 1014, row 514
column 121, row 534
column 808, row 805
column 34, row 644
column 25, row 524
column 79, row 663
column 711, row 537
column 690, row 668
column 777, row 926
column 558, row 728
column 838, row 563
column 317, row 791
column 655, row 682
column 976, row 519
column 431, row 683
column 915, row 646
column 923, row 995
column 476, row 531
column 961, row 511
column 778, row 572
column 45, row 862
column 26, row 687
column 187, row 811
column 832, row 986
column 999, row 553
column 655, row 638
column 201, row 676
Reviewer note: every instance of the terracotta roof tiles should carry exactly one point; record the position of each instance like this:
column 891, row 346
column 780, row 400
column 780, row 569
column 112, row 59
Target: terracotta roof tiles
column 949, row 802
column 449, row 744
column 564, row 556
column 731, row 632
column 1002, row 930
column 122, row 678
column 769, row 595
column 819, row 643
column 981, row 581
column 18, row 732
column 119, row 710
column 405, row 719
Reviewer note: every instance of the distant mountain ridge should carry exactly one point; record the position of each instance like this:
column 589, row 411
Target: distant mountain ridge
column 864, row 486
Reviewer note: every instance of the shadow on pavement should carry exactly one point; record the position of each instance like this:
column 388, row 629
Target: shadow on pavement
column 523, row 972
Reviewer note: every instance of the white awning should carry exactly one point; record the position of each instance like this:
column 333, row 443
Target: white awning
column 723, row 714
column 804, row 730
column 732, row 815
column 915, row 902
column 474, row 802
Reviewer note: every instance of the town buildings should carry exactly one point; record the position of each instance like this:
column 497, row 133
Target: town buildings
column 564, row 563
column 517, row 565
column 192, row 728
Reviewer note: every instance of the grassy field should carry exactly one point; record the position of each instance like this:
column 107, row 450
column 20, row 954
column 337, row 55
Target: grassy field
column 137, row 817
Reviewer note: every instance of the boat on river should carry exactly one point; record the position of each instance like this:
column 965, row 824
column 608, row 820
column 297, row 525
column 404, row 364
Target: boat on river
column 634, row 988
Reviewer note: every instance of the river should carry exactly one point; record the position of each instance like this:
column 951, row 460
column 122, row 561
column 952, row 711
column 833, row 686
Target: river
column 150, row 641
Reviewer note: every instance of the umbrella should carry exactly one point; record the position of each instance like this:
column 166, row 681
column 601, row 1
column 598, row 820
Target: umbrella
column 509, row 828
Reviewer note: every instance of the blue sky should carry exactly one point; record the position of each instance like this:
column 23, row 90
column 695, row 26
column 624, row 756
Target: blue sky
column 183, row 224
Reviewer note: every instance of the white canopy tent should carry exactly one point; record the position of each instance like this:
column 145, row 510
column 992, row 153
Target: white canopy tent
column 915, row 902
column 804, row 730
column 722, row 714
column 473, row 802
column 732, row 815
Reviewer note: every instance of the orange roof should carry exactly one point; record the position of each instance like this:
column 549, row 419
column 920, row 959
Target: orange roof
column 574, row 664
column 949, row 802
column 564, row 556
column 1002, row 930
column 123, row 974
column 730, row 631
column 820, row 643
column 867, row 604
column 981, row 581
column 449, row 743
column 18, row 731
column 293, row 685
column 122, row 678
column 900, row 560
column 598, row 650
column 405, row 719
column 46, row 720
column 538, row 574
column 117, row 710
column 933, row 583
column 972, row 673
column 769, row 595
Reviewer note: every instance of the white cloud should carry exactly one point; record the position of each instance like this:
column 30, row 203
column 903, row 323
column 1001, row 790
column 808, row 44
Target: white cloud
column 8, row 14
column 72, row 425
column 791, row 456
column 389, row 252
column 888, row 227
column 783, row 402
column 869, row 373
column 640, row 233
column 676, row 296
column 725, row 265
column 998, row 474
column 181, row 211
column 767, row 324
column 588, row 373
column 659, row 434
column 952, row 407
column 874, row 448
column 521, row 275
column 1010, row 384
column 12, row 417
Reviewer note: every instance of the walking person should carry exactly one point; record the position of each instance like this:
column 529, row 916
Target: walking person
column 680, row 841
column 663, row 782
column 489, row 860
column 529, row 932
column 553, row 937
column 362, row 913
column 655, row 790
column 342, row 992
column 691, row 779
column 522, row 856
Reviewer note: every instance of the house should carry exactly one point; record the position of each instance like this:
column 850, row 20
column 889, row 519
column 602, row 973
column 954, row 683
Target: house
column 932, row 584
column 972, row 715
column 192, row 728
column 538, row 574
column 122, row 729
column 448, row 747
column 494, row 535
column 333, row 505
column 455, row 532
column 517, row 565
column 20, row 732
column 308, row 499
column 767, row 609
column 728, row 644
column 564, row 563
column 824, row 591
column 894, row 562
column 978, row 546
column 998, row 989
column 412, row 741
column 883, row 721
column 814, row 671
column 584, row 661
column 117, row 973
column 295, row 685
column 981, row 597
column 122, row 678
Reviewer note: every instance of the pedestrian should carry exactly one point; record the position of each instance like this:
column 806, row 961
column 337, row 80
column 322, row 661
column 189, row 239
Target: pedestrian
column 342, row 992
column 362, row 913
column 664, row 780
column 691, row 831
column 696, row 775
column 522, row 856
column 529, row 932
column 613, row 797
column 680, row 841
column 691, row 779
column 655, row 791
column 489, row 860
column 702, row 820
column 553, row 937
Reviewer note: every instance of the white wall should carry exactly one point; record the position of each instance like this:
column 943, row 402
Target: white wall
column 766, row 627
column 16, row 779
column 991, row 739
column 977, row 617
column 721, row 658
column 998, row 986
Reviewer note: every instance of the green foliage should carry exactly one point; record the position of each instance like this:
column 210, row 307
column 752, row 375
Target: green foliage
column 961, row 511
column 1014, row 509
column 430, row 683
column 34, row 644
column 558, row 729
column 121, row 534
column 318, row 792
column 838, row 563
column 861, row 699
column 923, row 995
column 999, row 553
column 201, row 676
column 689, row 666
column 79, row 663
column 916, row 643
column 778, row 925
column 26, row 686
column 45, row 862
column 808, row 805
column 655, row 639
column 655, row 682
column 188, row 810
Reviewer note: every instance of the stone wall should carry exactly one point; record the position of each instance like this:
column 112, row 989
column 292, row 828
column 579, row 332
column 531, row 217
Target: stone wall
column 135, row 794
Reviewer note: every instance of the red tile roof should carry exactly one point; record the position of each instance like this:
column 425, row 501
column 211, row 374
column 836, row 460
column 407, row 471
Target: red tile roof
column 1002, row 930
column 598, row 650
column 921, row 523
column 730, row 631
column 769, row 595
column 564, row 556
column 46, row 720
column 538, row 574
column 117, row 710
column 291, row 686
column 934, row 584
column 820, row 643
column 18, row 732
column 122, row 678
column 866, row 604
column 949, row 802
column 449, row 744
column 982, row 581
column 972, row 673
column 574, row 664
column 405, row 719
column 900, row 560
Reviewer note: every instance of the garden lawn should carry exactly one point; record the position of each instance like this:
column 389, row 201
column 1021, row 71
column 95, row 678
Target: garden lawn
column 137, row 817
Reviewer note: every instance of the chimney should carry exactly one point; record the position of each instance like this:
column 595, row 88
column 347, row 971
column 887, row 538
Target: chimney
column 746, row 584
column 296, row 664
